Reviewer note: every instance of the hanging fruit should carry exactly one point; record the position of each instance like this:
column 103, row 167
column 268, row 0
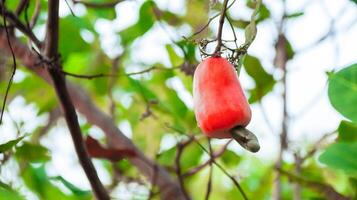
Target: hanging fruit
column 221, row 109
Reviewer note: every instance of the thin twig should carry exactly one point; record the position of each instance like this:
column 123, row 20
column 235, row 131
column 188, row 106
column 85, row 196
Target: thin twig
column 233, row 31
column 215, row 155
column 51, row 52
column 235, row 182
column 316, row 146
column 15, row 21
column 36, row 14
column 179, row 151
column 27, row 16
column 69, row 7
column 151, row 69
column 101, row 75
column 2, row 3
column 209, row 21
column 111, row 84
column 21, row 6
column 220, row 28
column 209, row 183
column 226, row 173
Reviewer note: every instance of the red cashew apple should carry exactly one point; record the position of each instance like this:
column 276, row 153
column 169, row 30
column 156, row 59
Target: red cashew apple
column 220, row 106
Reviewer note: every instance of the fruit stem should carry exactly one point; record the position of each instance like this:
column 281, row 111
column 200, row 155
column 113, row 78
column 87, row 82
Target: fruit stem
column 217, row 51
column 245, row 138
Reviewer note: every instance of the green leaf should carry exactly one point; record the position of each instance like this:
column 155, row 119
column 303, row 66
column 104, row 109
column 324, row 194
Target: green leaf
column 347, row 131
column 263, row 13
column 289, row 50
column 240, row 23
column 341, row 156
column 5, row 186
column 342, row 91
column 140, row 88
column 70, row 40
column 107, row 13
column 191, row 156
column 9, row 194
column 251, row 30
column 75, row 190
column 354, row 1
column 32, row 153
column 167, row 158
column 294, row 15
column 36, row 179
column 230, row 158
column 174, row 58
column 264, row 82
column 145, row 22
column 30, row 90
column 188, row 49
column 8, row 145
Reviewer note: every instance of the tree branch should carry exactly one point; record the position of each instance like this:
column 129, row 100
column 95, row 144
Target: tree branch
column 53, row 68
column 15, row 21
column 21, row 6
column 220, row 27
column 2, row 7
column 280, row 61
column 326, row 190
column 214, row 155
column 168, row 187
column 209, row 182
column 179, row 151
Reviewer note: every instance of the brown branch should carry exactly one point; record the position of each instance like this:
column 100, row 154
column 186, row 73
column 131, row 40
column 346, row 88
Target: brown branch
column 98, row 5
column 2, row 111
column 15, row 21
column 101, row 75
column 235, row 182
column 220, row 27
column 210, row 20
column 69, row 112
column 280, row 61
column 36, row 14
column 179, row 150
column 214, row 156
column 329, row 192
column 21, row 6
column 111, row 84
column 151, row 69
column 168, row 187
column 209, row 183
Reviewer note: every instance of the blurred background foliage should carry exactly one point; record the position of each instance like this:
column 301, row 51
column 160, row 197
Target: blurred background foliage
column 145, row 97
